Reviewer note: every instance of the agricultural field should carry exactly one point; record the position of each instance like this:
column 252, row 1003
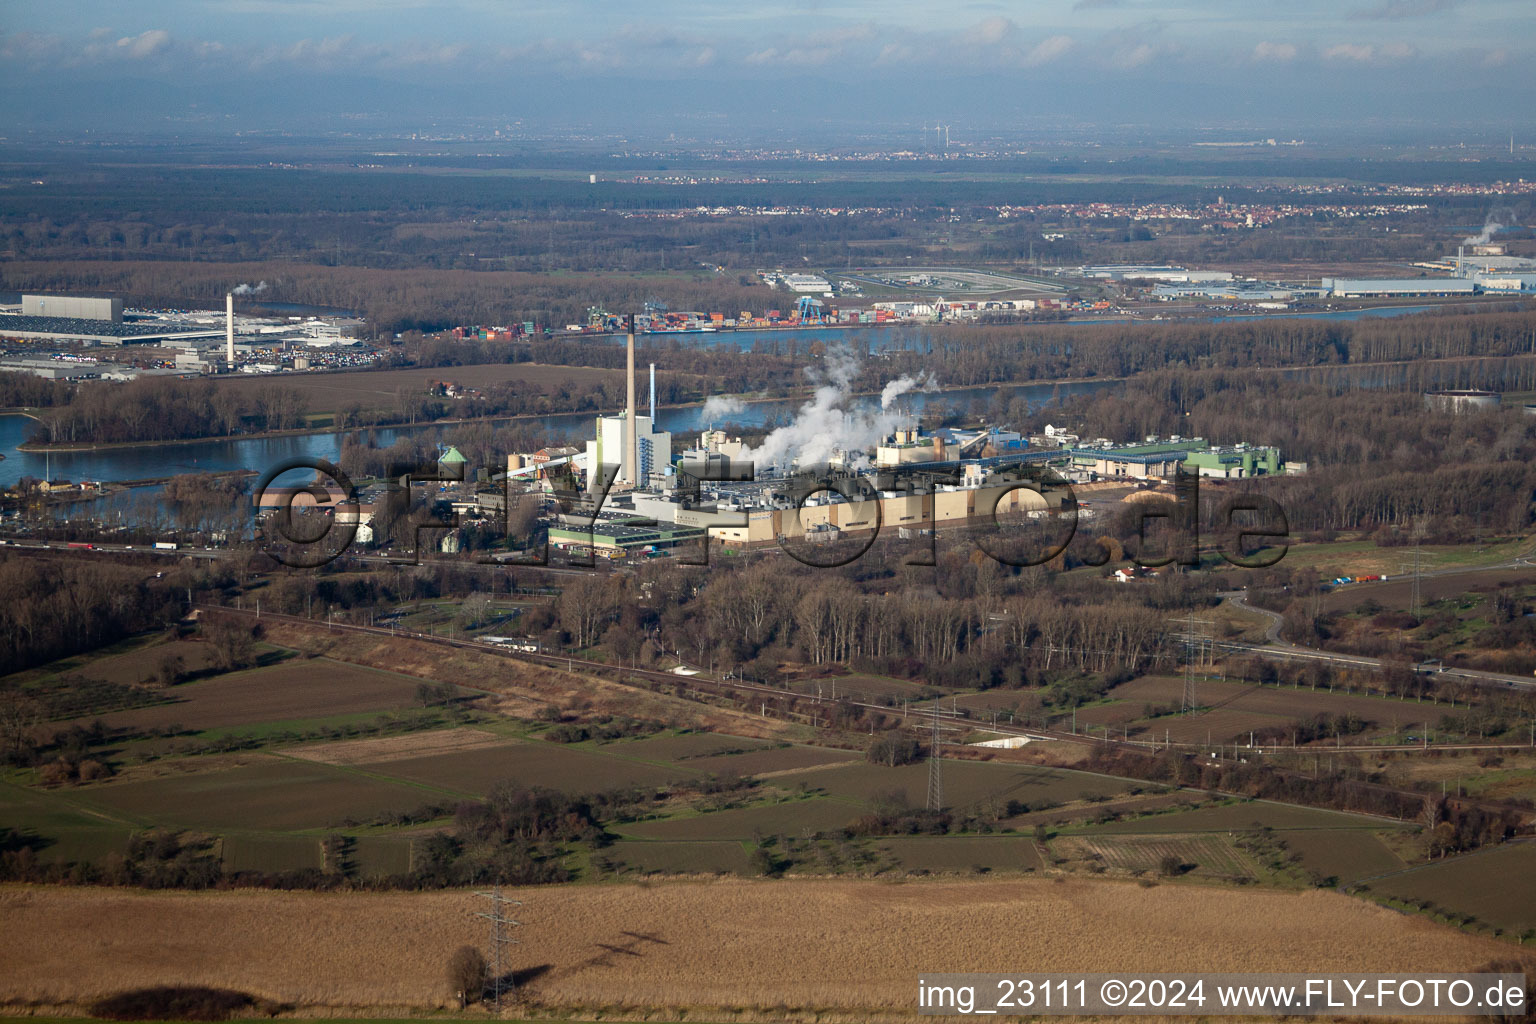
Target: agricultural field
column 962, row 854
column 685, row 747
column 791, row 818
column 707, row 946
column 569, row 769
column 295, row 690
column 1495, row 886
column 774, row 759
column 1236, row 708
column 968, row 783
column 251, row 791
column 1201, row 855
column 1345, row 855
column 1245, row 815
column 138, row 664
column 679, row 858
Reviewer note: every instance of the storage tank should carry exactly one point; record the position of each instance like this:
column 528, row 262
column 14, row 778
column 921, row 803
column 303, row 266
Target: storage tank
column 1460, row 400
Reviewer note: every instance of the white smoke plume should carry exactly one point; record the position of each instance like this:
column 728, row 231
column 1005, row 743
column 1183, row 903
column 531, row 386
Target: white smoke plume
column 718, row 407
column 829, row 422
column 901, row 385
column 245, row 289
column 1499, row 218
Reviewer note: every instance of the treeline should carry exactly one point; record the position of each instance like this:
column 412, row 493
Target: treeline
column 973, row 355
column 166, row 410
column 51, row 608
column 1377, row 458
column 967, row 624
column 1455, row 825
column 395, row 300
column 26, row 389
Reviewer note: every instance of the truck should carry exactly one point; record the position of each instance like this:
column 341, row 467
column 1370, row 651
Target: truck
column 165, row 545
column 82, row 545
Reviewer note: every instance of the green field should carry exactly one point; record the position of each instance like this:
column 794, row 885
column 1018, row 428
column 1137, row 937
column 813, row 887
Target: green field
column 681, row 858
column 1244, row 816
column 266, row 793
column 1343, row 855
column 967, row 783
column 1200, row 855
column 584, row 769
column 962, row 854
column 791, row 818
column 1495, row 886
column 686, row 747
column 776, row 759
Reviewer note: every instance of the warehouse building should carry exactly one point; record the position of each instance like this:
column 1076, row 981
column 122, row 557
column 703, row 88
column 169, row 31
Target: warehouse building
column 74, row 307
column 1391, row 287
column 72, row 330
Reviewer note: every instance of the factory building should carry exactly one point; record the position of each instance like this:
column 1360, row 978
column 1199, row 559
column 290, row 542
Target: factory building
column 1155, row 458
column 1234, row 461
column 1388, row 287
column 73, row 307
column 72, row 330
column 653, row 448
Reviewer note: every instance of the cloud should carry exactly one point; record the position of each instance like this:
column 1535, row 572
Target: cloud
column 1396, row 10
column 145, row 44
column 995, row 30
column 1047, row 50
column 1279, row 52
column 1350, row 51
column 1366, row 53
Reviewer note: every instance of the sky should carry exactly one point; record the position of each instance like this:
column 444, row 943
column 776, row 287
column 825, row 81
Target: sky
column 731, row 67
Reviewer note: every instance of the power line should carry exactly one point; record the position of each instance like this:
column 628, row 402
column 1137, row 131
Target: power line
column 935, row 777
column 500, row 939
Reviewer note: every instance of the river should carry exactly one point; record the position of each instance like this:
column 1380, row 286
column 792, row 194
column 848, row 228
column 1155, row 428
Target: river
column 257, row 453
column 156, row 461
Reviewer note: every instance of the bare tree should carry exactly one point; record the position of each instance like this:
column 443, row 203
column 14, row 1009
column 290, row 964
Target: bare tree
column 467, row 974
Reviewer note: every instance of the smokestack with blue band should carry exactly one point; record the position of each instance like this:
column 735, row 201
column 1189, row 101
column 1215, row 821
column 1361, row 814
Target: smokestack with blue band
column 653, row 396
column 229, row 329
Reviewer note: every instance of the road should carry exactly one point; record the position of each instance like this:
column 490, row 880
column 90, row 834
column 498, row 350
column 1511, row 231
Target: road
column 1283, row 650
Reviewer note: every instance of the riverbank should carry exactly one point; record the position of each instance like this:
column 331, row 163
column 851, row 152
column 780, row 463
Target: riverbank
column 790, row 395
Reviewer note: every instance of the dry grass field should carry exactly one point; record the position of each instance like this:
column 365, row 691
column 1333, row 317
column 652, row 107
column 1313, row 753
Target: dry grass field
column 782, row 948
column 383, row 749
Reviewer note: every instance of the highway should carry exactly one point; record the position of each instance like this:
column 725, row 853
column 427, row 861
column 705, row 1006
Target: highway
column 1279, row 649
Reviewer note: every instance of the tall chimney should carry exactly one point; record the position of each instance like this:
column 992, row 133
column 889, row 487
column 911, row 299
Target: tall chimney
column 1461, row 254
column 229, row 328
column 632, row 434
column 653, row 396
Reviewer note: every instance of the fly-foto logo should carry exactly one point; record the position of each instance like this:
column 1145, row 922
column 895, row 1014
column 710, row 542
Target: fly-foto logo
column 1021, row 515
